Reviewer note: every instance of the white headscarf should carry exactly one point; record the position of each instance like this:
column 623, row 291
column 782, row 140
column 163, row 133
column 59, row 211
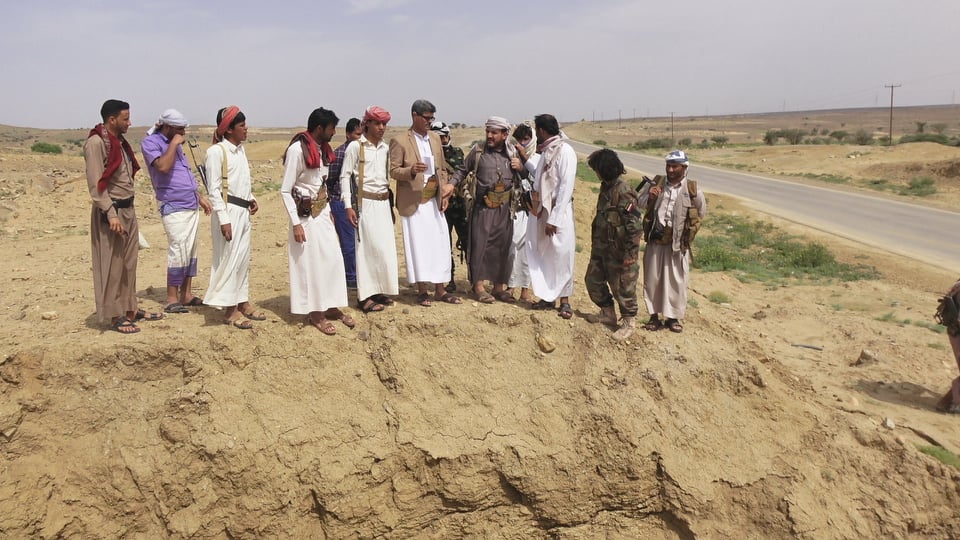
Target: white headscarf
column 170, row 117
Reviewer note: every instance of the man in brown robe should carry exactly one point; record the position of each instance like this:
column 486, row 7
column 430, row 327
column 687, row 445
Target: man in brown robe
column 491, row 221
column 114, row 235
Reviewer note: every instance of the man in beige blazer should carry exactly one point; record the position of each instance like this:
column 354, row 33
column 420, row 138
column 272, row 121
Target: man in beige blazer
column 423, row 190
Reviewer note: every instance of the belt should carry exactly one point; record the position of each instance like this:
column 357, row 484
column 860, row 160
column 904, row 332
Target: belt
column 493, row 198
column 123, row 203
column 667, row 237
column 242, row 203
column 376, row 196
column 429, row 190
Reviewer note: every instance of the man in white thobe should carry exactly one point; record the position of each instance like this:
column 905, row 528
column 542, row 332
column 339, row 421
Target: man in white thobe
column 230, row 225
column 318, row 287
column 365, row 162
column 551, row 238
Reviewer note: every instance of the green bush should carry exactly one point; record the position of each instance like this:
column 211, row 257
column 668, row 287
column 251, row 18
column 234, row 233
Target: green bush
column 46, row 148
column 719, row 297
column 863, row 137
column 925, row 137
column 600, row 142
column 920, row 187
column 657, row 143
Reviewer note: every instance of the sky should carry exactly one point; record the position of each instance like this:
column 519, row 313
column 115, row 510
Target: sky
column 593, row 60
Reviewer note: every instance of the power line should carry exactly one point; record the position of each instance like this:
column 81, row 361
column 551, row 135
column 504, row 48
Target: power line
column 891, row 87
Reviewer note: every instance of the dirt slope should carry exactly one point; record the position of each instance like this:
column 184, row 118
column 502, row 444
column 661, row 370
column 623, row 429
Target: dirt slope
column 451, row 421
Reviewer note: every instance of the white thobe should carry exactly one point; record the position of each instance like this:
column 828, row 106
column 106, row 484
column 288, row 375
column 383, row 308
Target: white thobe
column 424, row 231
column 230, row 275
column 317, row 278
column 551, row 258
column 376, row 247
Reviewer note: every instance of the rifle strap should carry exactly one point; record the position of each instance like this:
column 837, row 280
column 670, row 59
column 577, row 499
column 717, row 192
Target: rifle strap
column 223, row 172
column 359, row 186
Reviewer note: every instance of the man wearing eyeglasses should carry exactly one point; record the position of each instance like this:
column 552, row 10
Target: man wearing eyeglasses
column 423, row 192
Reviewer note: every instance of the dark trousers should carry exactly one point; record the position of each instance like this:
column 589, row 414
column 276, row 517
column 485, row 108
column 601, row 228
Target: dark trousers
column 347, row 235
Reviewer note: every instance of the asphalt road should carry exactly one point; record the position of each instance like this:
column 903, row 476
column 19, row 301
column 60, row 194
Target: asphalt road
column 906, row 229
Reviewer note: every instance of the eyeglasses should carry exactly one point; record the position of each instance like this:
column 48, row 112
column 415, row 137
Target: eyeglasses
column 427, row 118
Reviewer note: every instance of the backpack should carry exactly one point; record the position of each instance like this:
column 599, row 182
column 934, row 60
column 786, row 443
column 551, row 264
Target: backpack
column 948, row 310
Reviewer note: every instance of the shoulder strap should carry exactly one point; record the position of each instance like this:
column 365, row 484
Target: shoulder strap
column 223, row 172
column 359, row 187
column 692, row 187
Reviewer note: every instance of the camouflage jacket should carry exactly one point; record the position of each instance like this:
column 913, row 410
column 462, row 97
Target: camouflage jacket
column 617, row 229
column 453, row 155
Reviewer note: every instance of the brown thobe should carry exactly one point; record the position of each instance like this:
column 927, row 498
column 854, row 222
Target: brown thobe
column 491, row 229
column 114, row 256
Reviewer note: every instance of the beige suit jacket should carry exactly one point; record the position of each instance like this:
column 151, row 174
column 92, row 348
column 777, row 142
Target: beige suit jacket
column 404, row 152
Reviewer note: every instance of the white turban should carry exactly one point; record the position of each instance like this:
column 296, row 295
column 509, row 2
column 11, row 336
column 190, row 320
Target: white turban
column 498, row 122
column 170, row 117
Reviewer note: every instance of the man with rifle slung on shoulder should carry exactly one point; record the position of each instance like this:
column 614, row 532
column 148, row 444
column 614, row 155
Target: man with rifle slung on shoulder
column 365, row 164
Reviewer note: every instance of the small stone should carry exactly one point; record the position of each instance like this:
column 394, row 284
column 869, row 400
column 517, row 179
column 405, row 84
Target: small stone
column 854, row 402
column 901, row 440
column 866, row 358
column 545, row 344
column 279, row 243
column 889, row 423
column 760, row 315
column 49, row 315
column 363, row 335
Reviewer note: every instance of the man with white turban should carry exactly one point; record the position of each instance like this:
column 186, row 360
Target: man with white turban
column 491, row 215
column 179, row 201
column 674, row 209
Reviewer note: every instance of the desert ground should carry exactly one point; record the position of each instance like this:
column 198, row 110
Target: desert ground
column 794, row 410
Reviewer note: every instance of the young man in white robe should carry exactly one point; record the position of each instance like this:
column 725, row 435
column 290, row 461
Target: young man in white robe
column 365, row 165
column 318, row 286
column 551, row 238
column 230, row 224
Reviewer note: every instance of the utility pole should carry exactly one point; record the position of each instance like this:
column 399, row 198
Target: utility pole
column 891, row 87
column 672, row 137
column 619, row 119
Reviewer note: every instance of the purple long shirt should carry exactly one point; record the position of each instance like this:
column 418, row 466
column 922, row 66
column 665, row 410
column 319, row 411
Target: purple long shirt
column 177, row 189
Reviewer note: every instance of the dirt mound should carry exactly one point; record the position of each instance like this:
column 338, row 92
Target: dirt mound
column 451, row 421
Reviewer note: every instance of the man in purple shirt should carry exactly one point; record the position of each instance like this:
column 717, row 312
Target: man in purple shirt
column 179, row 201
column 345, row 230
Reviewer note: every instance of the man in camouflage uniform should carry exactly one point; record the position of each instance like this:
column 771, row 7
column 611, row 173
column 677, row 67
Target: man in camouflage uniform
column 616, row 235
column 456, row 212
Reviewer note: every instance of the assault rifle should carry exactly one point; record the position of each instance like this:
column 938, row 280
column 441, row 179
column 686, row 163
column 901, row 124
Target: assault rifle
column 646, row 180
column 201, row 169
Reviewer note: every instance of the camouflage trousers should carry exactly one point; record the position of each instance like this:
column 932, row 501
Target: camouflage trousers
column 608, row 280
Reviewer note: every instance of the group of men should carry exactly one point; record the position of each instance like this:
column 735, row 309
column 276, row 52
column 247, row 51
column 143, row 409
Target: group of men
column 110, row 167
column 338, row 199
column 511, row 202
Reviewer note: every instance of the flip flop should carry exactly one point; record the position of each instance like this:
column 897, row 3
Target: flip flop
column 485, row 298
column 542, row 305
column 323, row 325
column 674, row 326
column 449, row 299
column 124, row 326
column 253, row 315
column 370, row 306
column 337, row 314
column 241, row 324
column 423, row 299
column 196, row 301
column 383, row 299
column 565, row 311
column 653, row 324
column 175, row 307
column 147, row 316
column 505, row 297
